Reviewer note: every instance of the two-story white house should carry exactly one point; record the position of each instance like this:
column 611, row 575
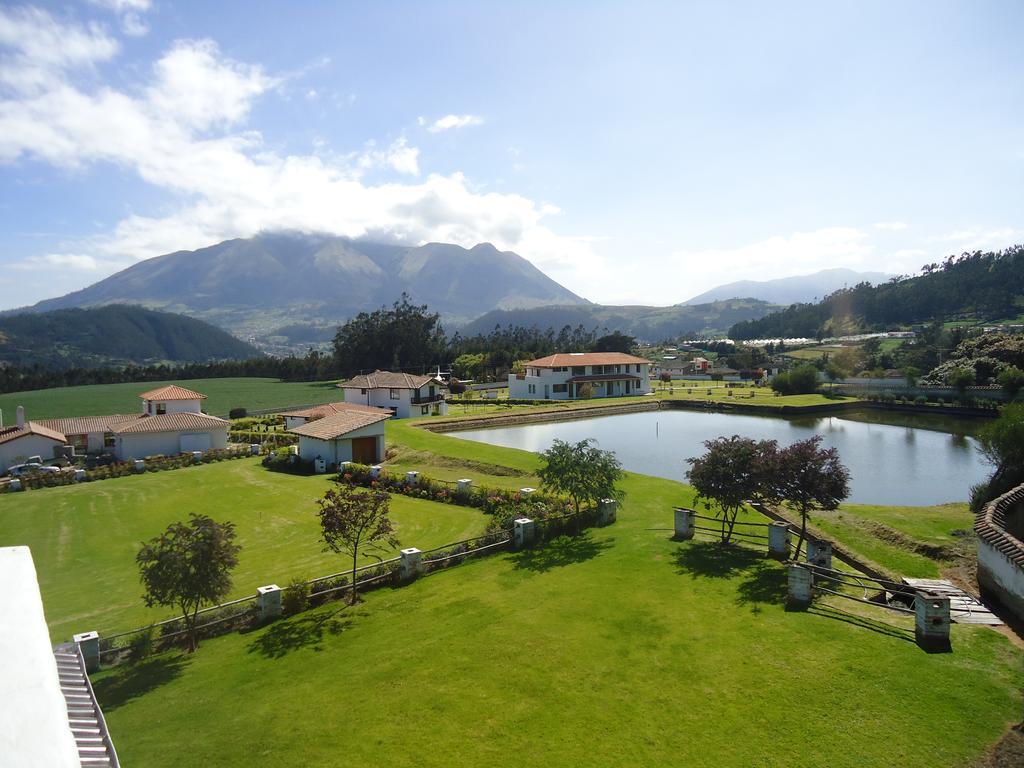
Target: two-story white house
column 572, row 375
column 403, row 394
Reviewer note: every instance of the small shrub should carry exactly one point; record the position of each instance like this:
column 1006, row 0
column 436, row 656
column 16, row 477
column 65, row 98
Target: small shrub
column 141, row 644
column 920, row 400
column 237, row 413
column 296, row 597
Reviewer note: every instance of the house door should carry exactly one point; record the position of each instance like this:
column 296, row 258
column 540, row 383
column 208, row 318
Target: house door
column 364, row 450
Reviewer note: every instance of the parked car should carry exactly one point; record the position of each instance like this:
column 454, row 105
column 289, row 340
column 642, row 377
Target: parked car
column 30, row 468
column 99, row 460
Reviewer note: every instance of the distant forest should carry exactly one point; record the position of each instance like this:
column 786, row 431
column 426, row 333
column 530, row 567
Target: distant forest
column 982, row 285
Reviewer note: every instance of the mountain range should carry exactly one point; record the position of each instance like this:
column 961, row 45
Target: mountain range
column 253, row 286
column 790, row 290
column 112, row 336
column 642, row 322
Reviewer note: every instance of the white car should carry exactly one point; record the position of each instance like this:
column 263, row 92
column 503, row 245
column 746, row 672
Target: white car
column 31, row 468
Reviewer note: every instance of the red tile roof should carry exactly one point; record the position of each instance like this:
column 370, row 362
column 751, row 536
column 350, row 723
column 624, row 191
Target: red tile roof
column 83, row 425
column 171, row 422
column 388, row 380
column 604, row 377
column 329, row 409
column 338, row 424
column 31, row 428
column 564, row 359
column 172, row 392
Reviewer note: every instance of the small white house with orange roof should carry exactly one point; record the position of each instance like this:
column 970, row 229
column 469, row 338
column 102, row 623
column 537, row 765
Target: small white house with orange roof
column 172, row 422
column 571, row 375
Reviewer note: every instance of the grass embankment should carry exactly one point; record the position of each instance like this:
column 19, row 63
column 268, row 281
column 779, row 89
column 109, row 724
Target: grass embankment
column 222, row 395
column 762, row 396
column 910, row 541
column 599, row 650
column 84, row 538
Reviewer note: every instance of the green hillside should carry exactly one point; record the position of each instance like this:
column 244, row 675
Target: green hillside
column 118, row 334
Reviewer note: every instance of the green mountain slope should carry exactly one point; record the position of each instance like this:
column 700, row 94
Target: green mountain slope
column 645, row 323
column 981, row 285
column 113, row 335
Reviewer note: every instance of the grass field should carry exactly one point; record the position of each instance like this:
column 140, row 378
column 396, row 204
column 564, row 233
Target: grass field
column 84, row 537
column 618, row 648
column 222, row 396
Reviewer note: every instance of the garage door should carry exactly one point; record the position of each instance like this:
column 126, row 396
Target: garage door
column 200, row 441
column 364, row 450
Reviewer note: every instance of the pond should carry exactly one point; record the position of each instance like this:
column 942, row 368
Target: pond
column 910, row 462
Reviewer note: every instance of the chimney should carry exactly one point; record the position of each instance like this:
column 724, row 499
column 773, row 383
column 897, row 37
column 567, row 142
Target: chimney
column 20, row 416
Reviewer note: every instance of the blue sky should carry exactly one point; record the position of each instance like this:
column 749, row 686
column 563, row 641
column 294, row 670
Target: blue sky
column 637, row 152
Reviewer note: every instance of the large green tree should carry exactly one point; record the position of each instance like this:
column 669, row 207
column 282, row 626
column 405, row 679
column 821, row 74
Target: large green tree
column 581, row 471
column 188, row 566
column 1002, row 443
column 403, row 338
column 808, row 477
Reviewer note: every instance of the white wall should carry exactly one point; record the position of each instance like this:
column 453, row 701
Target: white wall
column 542, row 381
column 381, row 398
column 1001, row 576
column 139, row 446
column 173, row 406
column 336, row 451
column 16, row 451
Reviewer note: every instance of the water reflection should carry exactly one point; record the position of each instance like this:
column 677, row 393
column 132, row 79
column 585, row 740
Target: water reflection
column 890, row 463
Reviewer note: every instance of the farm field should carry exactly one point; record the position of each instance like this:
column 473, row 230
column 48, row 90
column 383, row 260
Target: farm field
column 599, row 650
column 222, row 396
column 84, row 537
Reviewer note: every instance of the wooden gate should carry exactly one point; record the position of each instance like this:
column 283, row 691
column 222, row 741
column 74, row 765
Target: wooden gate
column 364, row 450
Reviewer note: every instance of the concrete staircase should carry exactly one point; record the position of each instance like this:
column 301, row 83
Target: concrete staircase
column 84, row 716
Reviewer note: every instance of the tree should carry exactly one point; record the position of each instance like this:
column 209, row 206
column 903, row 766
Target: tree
column 469, row 366
column 911, row 374
column 734, row 471
column 801, row 380
column 809, row 477
column 405, row 336
column 355, row 519
column 1002, row 443
column 581, row 471
column 188, row 566
column 960, row 379
column 1011, row 379
column 834, row 371
column 615, row 342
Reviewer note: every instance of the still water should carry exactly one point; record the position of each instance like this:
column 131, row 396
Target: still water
column 911, row 462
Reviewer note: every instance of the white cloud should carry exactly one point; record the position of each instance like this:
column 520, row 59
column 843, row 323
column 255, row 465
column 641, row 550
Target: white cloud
column 978, row 238
column 891, row 226
column 184, row 129
column 130, row 12
column 75, row 261
column 450, row 122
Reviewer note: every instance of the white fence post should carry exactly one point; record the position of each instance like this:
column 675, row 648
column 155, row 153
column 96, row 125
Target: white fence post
column 140, row 465
column 523, row 532
column 268, row 601
column 412, row 563
column 799, row 591
column 89, row 644
column 931, row 626
column 607, row 511
column 465, row 485
column 254, row 449
column 819, row 553
column 412, row 477
column 684, row 522
column 778, row 540
column 527, row 492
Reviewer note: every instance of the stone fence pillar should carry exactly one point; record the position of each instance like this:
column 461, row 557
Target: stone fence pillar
column 778, row 540
column 412, row 563
column 268, row 602
column 89, row 644
column 412, row 477
column 684, row 521
column 607, row 511
column 799, row 591
column 465, row 485
column 931, row 626
column 819, row 553
column 524, row 530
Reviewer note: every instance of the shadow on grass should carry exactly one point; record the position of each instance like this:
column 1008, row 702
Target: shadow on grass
column 559, row 552
column 763, row 580
column 880, row 627
column 302, row 631
column 135, row 680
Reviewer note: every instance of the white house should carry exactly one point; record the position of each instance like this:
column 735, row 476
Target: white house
column 302, row 416
column 568, row 375
column 348, row 435
column 172, row 422
column 403, row 394
column 89, row 434
column 27, row 438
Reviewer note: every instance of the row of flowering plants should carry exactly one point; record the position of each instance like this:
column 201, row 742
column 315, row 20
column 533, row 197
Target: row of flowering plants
column 504, row 504
column 122, row 468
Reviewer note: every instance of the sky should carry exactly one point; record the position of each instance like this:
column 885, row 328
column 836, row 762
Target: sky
column 638, row 153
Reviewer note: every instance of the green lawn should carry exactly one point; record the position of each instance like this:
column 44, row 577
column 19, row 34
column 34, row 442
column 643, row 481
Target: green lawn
column 620, row 648
column 222, row 396
column 912, row 541
column 84, row 537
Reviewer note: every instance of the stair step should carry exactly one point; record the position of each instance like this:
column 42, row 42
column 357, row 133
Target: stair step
column 84, row 732
column 91, row 750
column 84, row 722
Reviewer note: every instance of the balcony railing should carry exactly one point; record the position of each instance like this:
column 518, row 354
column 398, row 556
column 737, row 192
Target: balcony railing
column 421, row 399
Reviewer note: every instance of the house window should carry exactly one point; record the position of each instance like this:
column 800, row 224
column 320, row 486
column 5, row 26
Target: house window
column 362, row 391
column 638, row 367
column 394, row 394
column 109, row 441
column 532, row 389
column 560, row 369
column 558, row 388
column 425, row 410
column 161, row 409
column 579, row 370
